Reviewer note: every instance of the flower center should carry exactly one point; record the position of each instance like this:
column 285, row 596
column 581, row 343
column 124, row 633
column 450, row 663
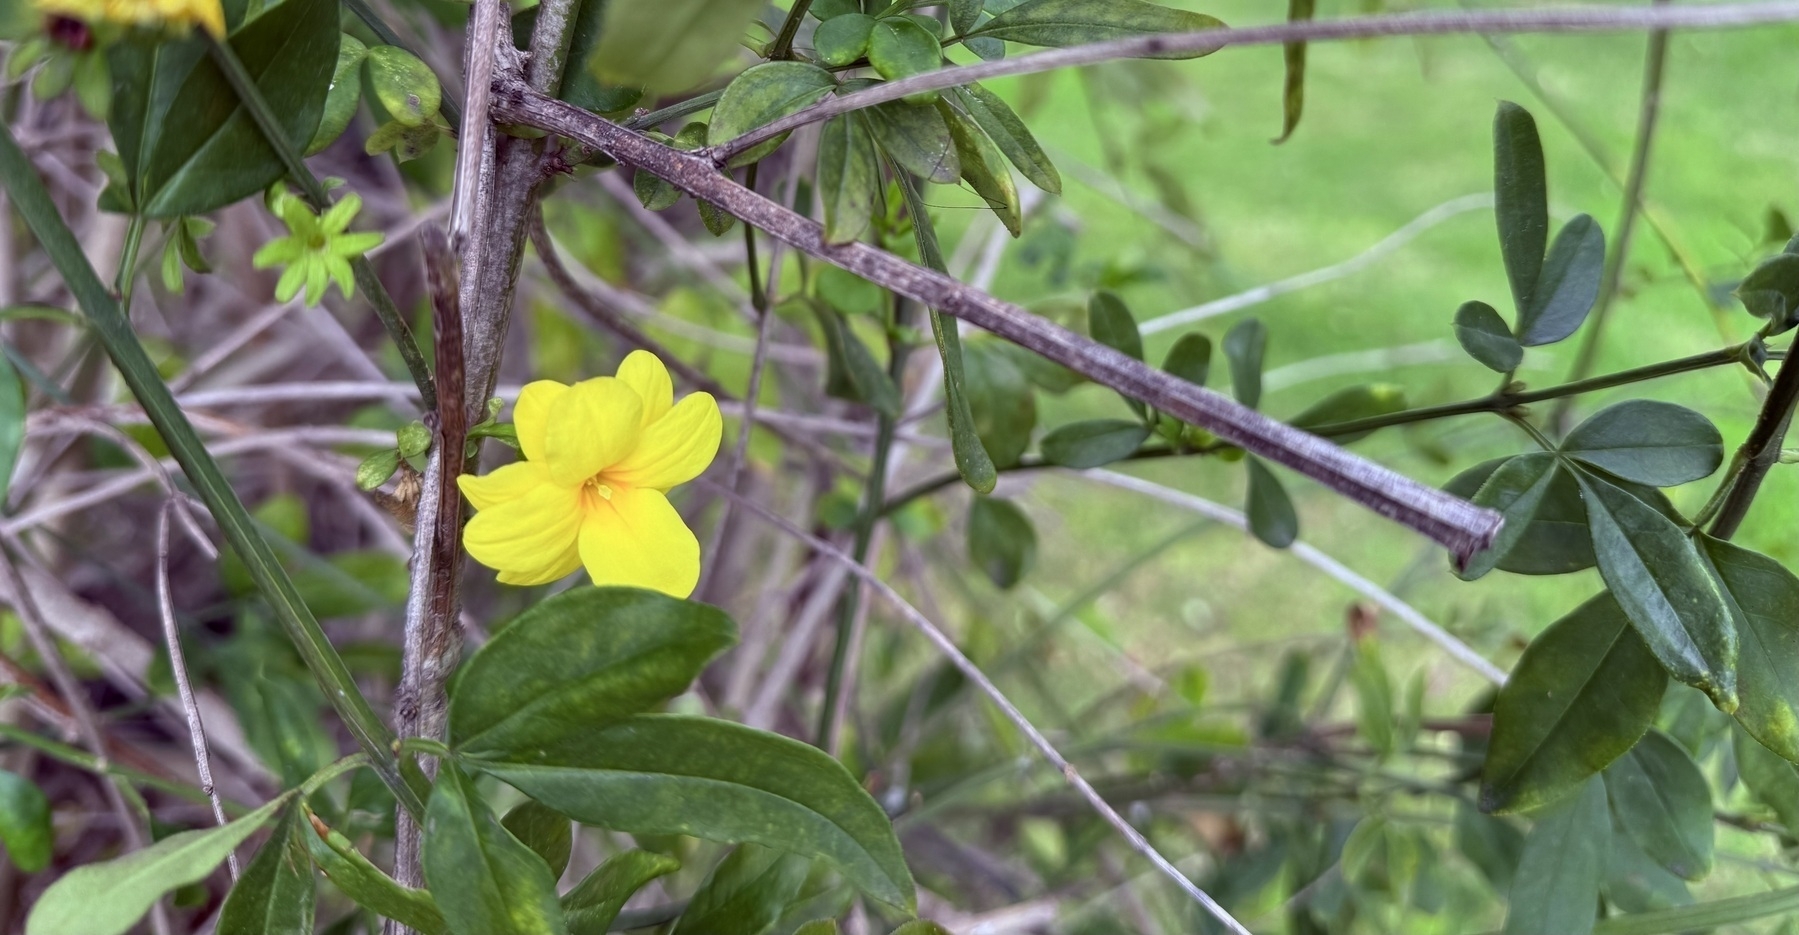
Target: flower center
column 595, row 490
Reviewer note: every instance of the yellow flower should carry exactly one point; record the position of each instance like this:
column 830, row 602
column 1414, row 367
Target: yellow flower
column 600, row 457
column 208, row 14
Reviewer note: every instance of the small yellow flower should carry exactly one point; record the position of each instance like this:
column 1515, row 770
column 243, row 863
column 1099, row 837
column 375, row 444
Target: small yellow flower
column 600, row 457
column 207, row 14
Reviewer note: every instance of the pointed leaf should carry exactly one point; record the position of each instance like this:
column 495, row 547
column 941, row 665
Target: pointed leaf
column 275, row 895
column 1662, row 801
column 1557, row 885
column 547, row 832
column 483, row 878
column 1244, row 345
column 1568, row 285
column 761, row 95
column 1293, row 98
column 367, row 885
column 1764, row 599
column 849, row 177
column 915, row 136
column 1520, row 201
column 1001, row 540
column 1771, row 779
column 1581, row 695
column 1009, row 133
column 1270, row 510
column 1557, row 540
column 1490, row 843
column 1094, row 443
column 853, row 366
column 668, row 774
column 1771, row 291
column 1078, row 22
column 1517, row 490
column 595, row 901
column 1649, row 442
column 1664, row 587
column 1634, row 883
column 1486, row 337
column 345, row 94
column 1001, row 402
column 984, row 169
column 745, row 893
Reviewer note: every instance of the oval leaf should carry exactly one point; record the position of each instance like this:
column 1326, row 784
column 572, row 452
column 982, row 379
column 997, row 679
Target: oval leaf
column 25, row 823
column 345, row 94
column 1568, row 285
column 841, row 40
column 1486, row 337
column 275, row 895
column 1664, row 803
column 1093, row 443
column 1557, row 885
column 763, row 94
column 848, row 177
column 1581, row 695
column 1771, row 291
column 898, row 48
column 1520, row 201
column 745, row 893
column 1244, row 346
column 1190, row 359
column 1351, row 403
column 1649, row 442
column 668, row 774
column 483, row 878
column 1269, row 509
column 1001, row 540
column 581, row 659
column 915, row 136
column 595, row 901
column 1771, row 779
column 1000, row 401
column 1517, row 490
column 1078, row 22
column 547, row 832
column 404, row 85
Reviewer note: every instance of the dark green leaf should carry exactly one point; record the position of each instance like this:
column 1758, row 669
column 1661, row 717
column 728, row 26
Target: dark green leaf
column 841, row 40
column 1078, row 22
column 984, row 169
column 1764, row 599
column 1771, row 291
column 1486, row 337
column 581, row 85
column 1190, row 359
column 545, row 831
column 1518, row 490
column 1009, row 133
column 745, row 893
column 987, row 47
column 1635, row 883
column 12, row 423
column 1771, row 779
column 483, row 878
column 1373, row 691
column 365, row 883
column 848, row 177
column 1557, row 540
column 186, row 144
column 1667, row 591
column 818, row 927
column 1109, row 321
column 108, row 898
column 1663, row 802
column 715, row 219
column 1649, row 442
column 1270, row 511
column 1001, row 540
column 667, row 774
column 653, row 192
column 671, row 45
column 594, row 903
column 1520, row 201
column 1557, row 885
column 828, row 10
column 275, row 894
column 1094, row 443
column 964, row 14
column 581, row 659
column 345, row 94
column 854, row 366
column 1001, row 402
column 921, row 927
column 761, row 95
column 915, row 136
column 25, row 823
column 1293, row 98
column 1581, row 695
column 405, row 86
column 898, row 47
column 1568, row 286
column 1350, row 403
column 1244, row 345
column 847, row 292
column 1490, row 843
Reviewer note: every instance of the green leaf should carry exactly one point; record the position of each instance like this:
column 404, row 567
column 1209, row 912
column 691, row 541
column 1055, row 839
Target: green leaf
column 671, row 45
column 848, row 177
column 1269, row 509
column 595, row 901
column 275, row 894
column 1764, row 599
column 668, row 774
column 1078, row 22
column 368, row 886
column 1350, row 403
column 187, row 145
column 483, row 878
column 1568, row 285
column 1001, row 540
column 653, row 192
column 964, row 14
column 921, row 927
column 1517, row 490
column 1001, row 402
column 1581, row 695
column 405, row 86
column 545, row 831
column 579, row 660
column 984, row 169
column 1490, row 843
column 827, row 10
column 1772, row 780
column 1486, row 337
column 745, row 893
column 1556, row 540
column 990, row 112
column 915, row 136
column 1649, row 442
column 1374, row 695
column 580, row 86
column 1771, row 291
column 1109, row 321
column 1635, row 883
column 1293, row 97
column 108, row 898
column 853, row 366
column 1190, row 359
column 761, row 95
column 818, row 927
column 377, row 468
column 345, row 94
column 1094, row 443
column 1557, row 885
column 899, row 47
column 1520, row 201
column 1663, row 802
column 841, row 40
column 12, row 423
column 25, row 823
column 1244, row 345
column 715, row 219
column 1668, row 592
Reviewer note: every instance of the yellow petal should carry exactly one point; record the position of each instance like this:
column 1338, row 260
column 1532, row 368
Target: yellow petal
column 562, row 567
column 528, row 534
column 590, row 428
column 676, row 448
column 531, row 415
column 643, row 372
column 636, row 539
column 503, row 484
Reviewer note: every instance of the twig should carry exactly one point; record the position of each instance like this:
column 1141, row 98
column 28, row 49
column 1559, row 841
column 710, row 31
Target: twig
column 1457, row 524
column 475, row 150
column 190, row 706
column 1760, row 451
column 973, row 673
column 1434, row 23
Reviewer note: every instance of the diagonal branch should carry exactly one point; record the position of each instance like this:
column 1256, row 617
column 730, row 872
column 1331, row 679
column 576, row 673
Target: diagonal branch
column 1165, row 45
column 1451, row 521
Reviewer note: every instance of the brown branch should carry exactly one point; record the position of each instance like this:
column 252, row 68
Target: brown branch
column 1457, row 524
column 1435, row 23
